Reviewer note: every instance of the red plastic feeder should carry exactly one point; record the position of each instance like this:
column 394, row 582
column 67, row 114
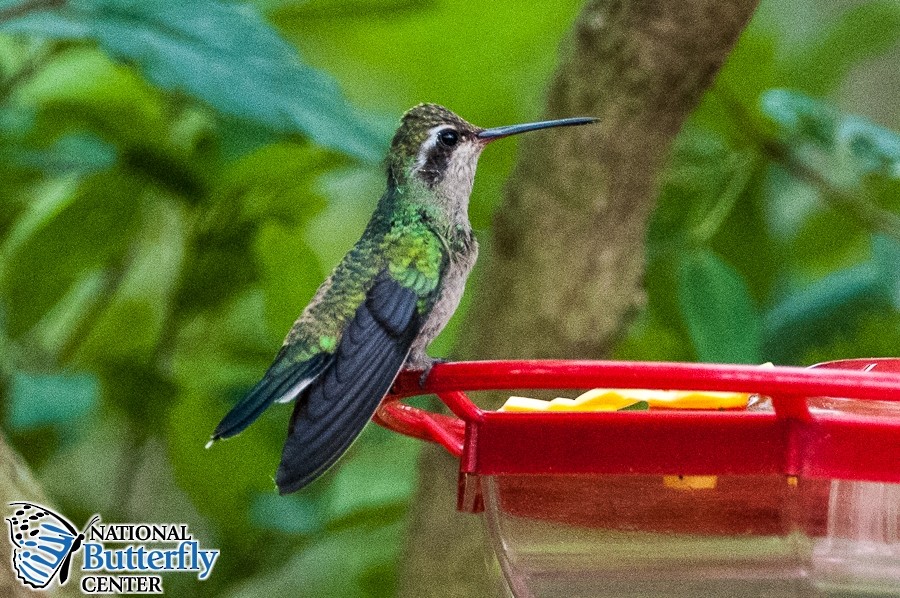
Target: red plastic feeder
column 803, row 500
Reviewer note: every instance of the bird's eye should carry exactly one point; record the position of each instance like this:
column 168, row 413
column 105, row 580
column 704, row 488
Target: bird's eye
column 448, row 137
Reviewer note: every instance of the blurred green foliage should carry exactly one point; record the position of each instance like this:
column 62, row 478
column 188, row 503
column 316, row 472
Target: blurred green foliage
column 175, row 182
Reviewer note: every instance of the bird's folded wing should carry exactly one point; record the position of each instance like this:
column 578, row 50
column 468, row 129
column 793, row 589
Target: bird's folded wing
column 284, row 379
column 338, row 405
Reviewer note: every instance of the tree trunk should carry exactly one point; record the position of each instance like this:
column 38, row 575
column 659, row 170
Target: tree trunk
column 17, row 484
column 564, row 268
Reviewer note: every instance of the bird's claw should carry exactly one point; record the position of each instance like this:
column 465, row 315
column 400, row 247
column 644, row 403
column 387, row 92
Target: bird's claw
column 427, row 369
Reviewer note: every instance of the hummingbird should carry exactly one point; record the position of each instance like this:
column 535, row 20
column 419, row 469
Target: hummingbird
column 386, row 300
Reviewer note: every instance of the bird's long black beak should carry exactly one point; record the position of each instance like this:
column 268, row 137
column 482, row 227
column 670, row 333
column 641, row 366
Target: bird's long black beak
column 501, row 132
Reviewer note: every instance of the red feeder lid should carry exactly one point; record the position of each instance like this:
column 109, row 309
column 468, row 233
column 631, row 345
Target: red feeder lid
column 790, row 440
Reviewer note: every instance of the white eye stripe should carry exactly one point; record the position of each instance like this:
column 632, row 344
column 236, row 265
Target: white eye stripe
column 429, row 144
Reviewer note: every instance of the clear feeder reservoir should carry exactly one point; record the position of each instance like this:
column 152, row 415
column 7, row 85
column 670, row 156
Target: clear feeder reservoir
column 803, row 500
column 653, row 536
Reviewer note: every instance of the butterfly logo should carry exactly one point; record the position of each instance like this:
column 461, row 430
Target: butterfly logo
column 44, row 544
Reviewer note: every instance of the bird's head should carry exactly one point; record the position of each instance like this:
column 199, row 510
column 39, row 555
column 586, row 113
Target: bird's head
column 437, row 149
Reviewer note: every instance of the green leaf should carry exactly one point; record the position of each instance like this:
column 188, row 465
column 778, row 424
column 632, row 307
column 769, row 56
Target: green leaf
column 219, row 265
column 133, row 320
column 664, row 324
column 37, row 400
column 366, row 482
column 748, row 71
column 717, row 310
column 870, row 334
column 826, row 309
column 62, row 327
column 702, row 184
column 746, row 240
column 81, row 88
column 80, row 153
column 221, row 53
column 827, row 241
column 294, row 514
column 800, row 116
column 851, row 145
column 637, row 406
column 291, row 274
column 45, row 203
column 824, row 299
column 278, row 181
column 91, row 231
column 876, row 150
column 127, row 385
column 886, row 257
column 357, row 562
column 651, row 338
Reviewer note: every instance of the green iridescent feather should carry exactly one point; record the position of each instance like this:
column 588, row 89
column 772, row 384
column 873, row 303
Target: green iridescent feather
column 400, row 243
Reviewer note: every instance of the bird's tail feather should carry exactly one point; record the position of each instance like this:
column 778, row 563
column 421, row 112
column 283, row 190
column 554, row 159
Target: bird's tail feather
column 334, row 409
column 281, row 380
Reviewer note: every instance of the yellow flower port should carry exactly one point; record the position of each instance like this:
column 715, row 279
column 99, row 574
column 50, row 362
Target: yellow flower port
column 611, row 399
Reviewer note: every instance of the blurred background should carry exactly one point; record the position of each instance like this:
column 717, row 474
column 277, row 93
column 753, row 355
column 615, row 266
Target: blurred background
column 176, row 179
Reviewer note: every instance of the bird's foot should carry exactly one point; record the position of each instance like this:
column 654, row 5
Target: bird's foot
column 425, row 364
